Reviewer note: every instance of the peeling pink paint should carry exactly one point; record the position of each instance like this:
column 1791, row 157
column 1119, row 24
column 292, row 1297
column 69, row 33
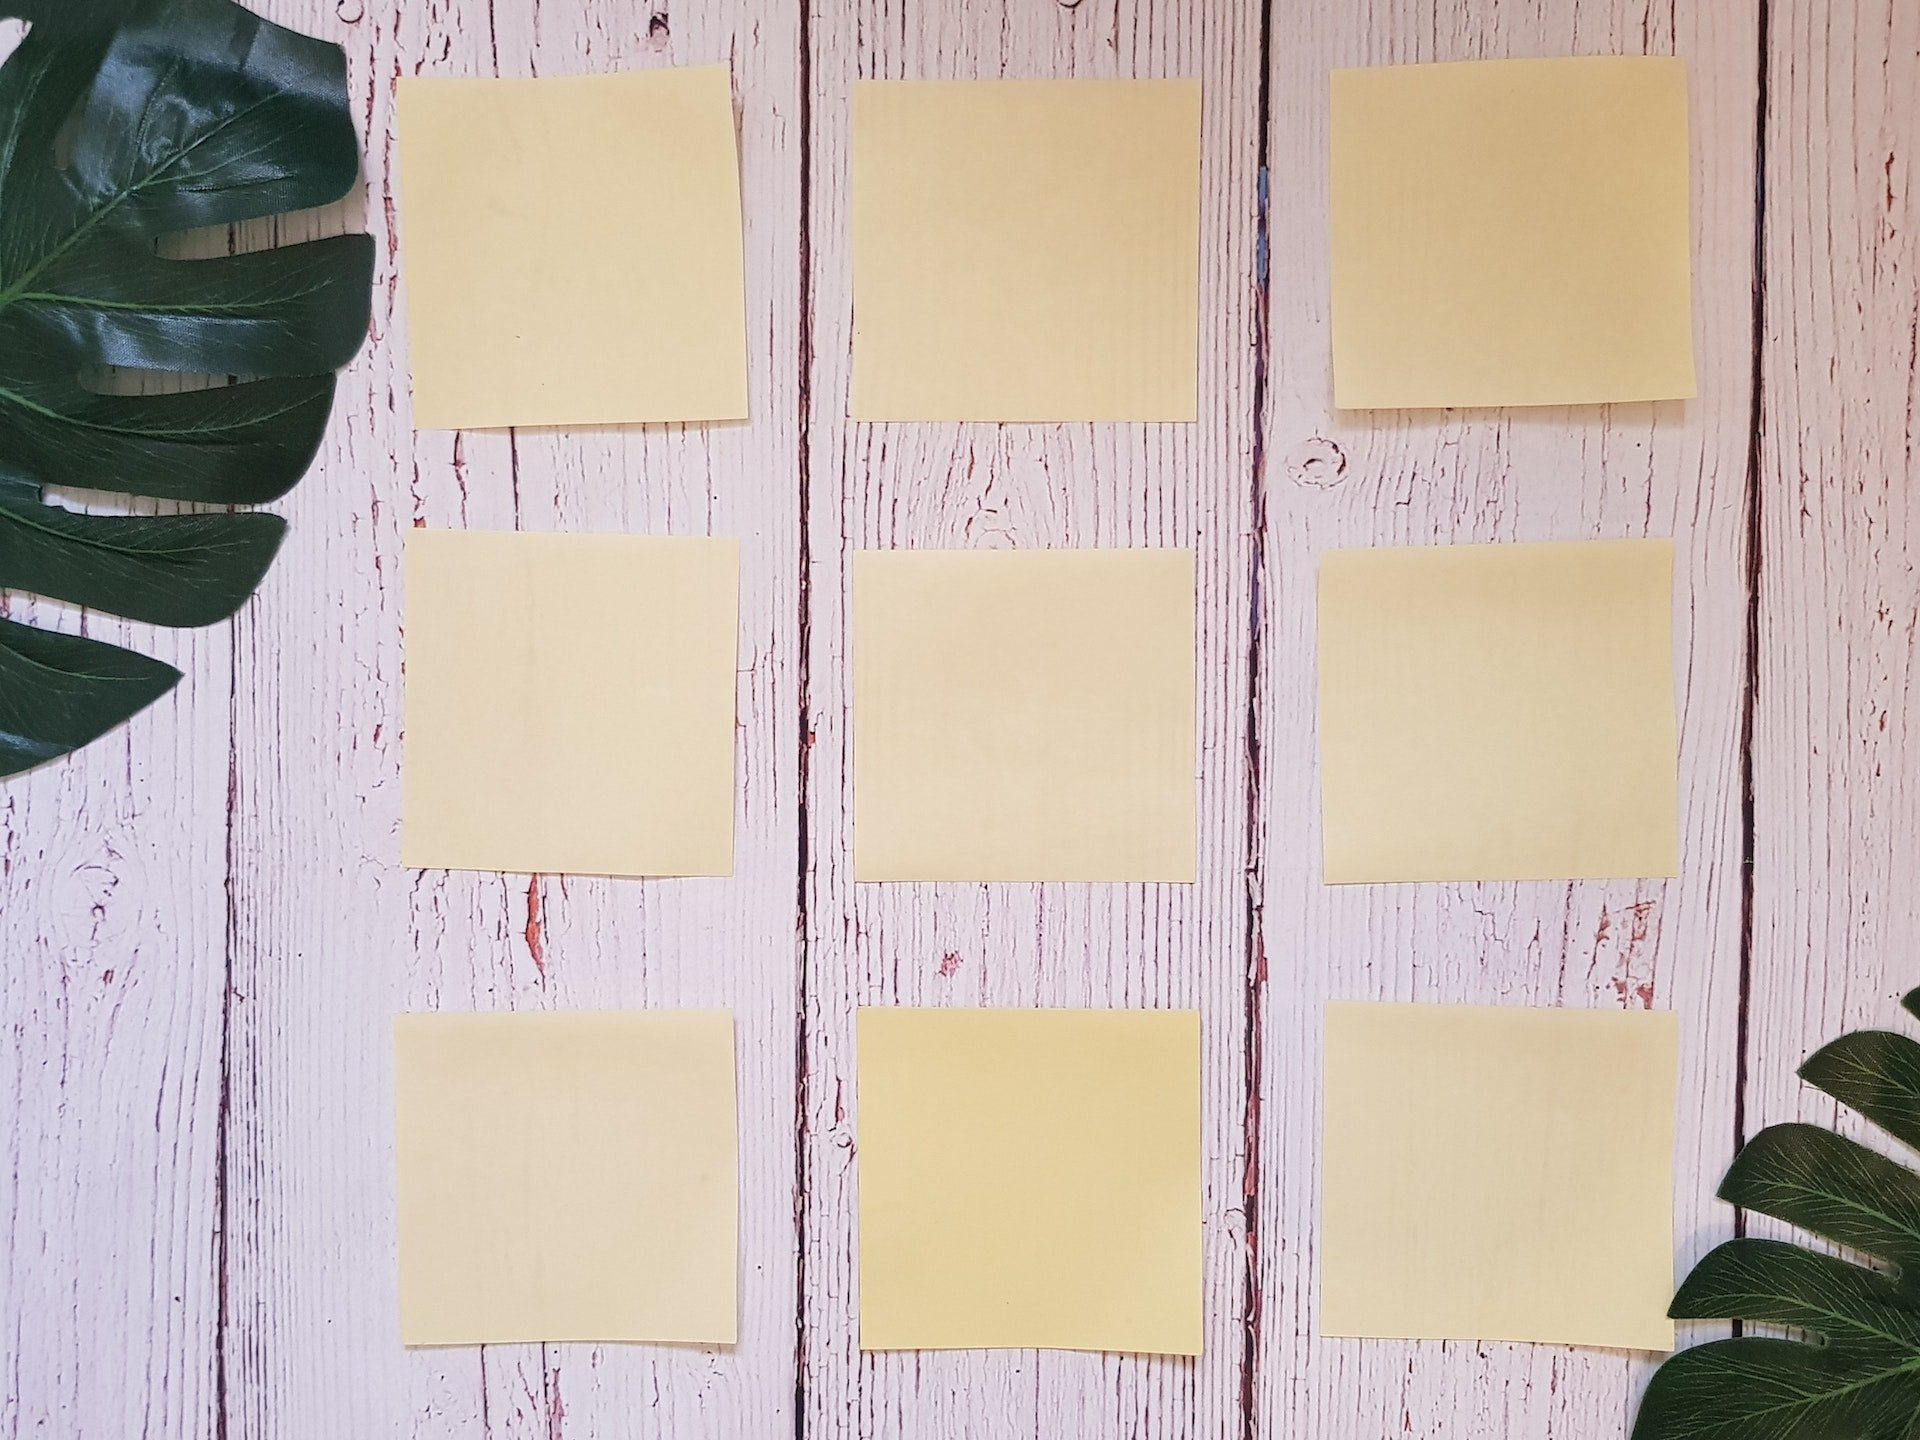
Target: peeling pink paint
column 535, row 934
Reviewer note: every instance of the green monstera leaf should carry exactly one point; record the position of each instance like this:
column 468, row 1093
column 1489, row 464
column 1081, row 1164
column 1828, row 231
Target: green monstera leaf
column 1847, row 1365
column 123, row 122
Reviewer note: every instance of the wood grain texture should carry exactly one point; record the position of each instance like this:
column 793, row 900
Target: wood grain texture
column 874, row 486
column 321, row 965
column 113, row 921
column 206, row 932
column 1836, row 790
column 1338, row 480
column 113, row 928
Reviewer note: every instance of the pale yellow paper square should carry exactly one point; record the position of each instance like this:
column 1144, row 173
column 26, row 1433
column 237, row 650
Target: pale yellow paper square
column 1026, row 249
column 1498, row 712
column 1498, row 1174
column 566, row 1177
column 1511, row 232
column 572, row 249
column 1030, row 1178
column 569, row 703
column 1023, row 715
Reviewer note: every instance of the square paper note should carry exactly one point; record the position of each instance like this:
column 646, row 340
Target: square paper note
column 1498, row 1174
column 566, row 1177
column 572, row 249
column 1030, row 1178
column 1498, row 712
column 1026, row 249
column 1511, row 232
column 570, row 703
column 1023, row 715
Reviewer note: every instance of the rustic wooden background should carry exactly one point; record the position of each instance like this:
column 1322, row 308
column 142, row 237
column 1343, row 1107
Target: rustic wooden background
column 205, row 932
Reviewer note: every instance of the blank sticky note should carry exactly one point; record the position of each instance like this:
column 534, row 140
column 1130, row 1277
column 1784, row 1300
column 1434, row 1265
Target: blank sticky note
column 1498, row 1174
column 1511, row 232
column 569, row 703
column 1026, row 249
column 572, row 249
column 566, row 1177
column 1023, row 715
column 1498, row 712
column 1030, row 1178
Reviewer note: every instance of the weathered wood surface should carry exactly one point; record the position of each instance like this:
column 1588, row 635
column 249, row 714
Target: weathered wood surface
column 1625, row 470
column 1836, row 779
column 205, row 932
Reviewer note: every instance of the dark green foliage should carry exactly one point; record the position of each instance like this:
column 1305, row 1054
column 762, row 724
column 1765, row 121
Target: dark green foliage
column 123, row 122
column 1845, row 1364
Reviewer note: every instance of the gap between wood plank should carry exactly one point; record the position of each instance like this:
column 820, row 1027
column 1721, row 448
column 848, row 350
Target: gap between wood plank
column 1750, row 692
column 223, row 1114
column 803, row 660
column 1252, row 1311
column 224, row 1111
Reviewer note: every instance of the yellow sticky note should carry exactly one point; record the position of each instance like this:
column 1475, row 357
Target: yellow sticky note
column 1026, row 249
column 1030, row 1178
column 1511, row 232
column 1498, row 1174
column 572, row 249
column 1498, row 712
column 569, row 703
column 1023, row 715
column 566, row 1177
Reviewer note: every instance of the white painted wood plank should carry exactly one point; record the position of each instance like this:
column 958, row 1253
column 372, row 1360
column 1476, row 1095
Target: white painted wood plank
column 332, row 937
column 112, row 982
column 1404, row 478
column 983, row 486
column 1836, row 916
column 112, row 945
